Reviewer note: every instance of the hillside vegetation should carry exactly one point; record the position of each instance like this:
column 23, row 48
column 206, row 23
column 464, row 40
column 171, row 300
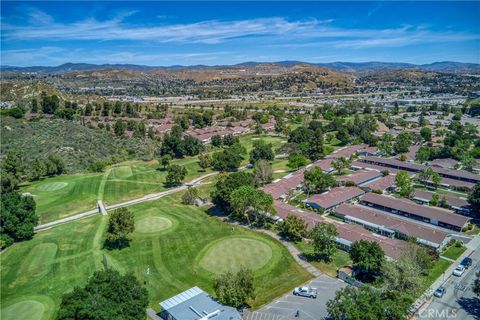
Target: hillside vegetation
column 78, row 145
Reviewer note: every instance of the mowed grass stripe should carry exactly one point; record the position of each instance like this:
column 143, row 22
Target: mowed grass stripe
column 165, row 261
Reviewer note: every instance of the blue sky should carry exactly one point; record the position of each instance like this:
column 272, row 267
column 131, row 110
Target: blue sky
column 212, row 33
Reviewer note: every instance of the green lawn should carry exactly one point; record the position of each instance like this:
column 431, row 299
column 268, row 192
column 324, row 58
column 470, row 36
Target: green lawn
column 169, row 251
column 440, row 266
column 454, row 252
column 339, row 259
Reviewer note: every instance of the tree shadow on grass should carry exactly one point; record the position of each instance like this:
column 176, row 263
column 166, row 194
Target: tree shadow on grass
column 116, row 245
column 470, row 305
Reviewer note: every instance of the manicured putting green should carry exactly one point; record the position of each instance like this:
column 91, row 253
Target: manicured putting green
column 153, row 224
column 52, row 186
column 122, row 172
column 232, row 253
column 28, row 309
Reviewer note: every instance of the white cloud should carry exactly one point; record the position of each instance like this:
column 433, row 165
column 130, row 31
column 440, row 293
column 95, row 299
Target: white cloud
column 56, row 56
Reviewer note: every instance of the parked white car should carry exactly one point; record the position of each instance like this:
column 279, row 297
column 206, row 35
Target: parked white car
column 459, row 271
column 305, row 292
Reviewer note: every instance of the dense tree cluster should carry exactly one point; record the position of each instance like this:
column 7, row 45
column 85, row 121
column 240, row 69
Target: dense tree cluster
column 106, row 295
column 228, row 159
column 317, row 181
column 177, row 146
column 226, row 184
column 18, row 218
column 250, row 204
column 175, row 174
column 235, row 289
column 309, row 140
column 261, row 151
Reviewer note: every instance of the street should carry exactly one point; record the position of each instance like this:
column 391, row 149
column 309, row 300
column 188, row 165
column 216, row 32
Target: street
column 459, row 301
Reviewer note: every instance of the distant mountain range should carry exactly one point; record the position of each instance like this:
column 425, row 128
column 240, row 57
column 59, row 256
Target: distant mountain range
column 351, row 67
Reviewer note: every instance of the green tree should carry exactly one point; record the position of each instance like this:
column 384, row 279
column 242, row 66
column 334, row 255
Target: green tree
column 385, row 146
column 176, row 173
column 368, row 257
column 474, row 200
column 235, row 289
column 402, row 142
column 119, row 128
column 226, row 160
column 315, row 149
column 366, row 303
column 468, row 161
column 296, row 161
column 443, row 202
column 165, row 160
column 120, row 224
column 226, row 184
column 318, row 181
column 426, row 133
column 18, row 217
column 217, row 141
column 38, row 169
column 250, row 203
column 50, row 103
column 293, row 228
column 343, row 135
column 403, row 181
column 323, row 238
column 436, row 180
column 425, row 175
column 263, row 171
column 190, row 196
column 434, row 200
column 34, row 106
column 261, row 151
column 106, row 295
column 340, row 164
column 423, row 154
column 204, row 160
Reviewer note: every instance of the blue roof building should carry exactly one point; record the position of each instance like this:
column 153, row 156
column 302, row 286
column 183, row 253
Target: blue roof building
column 196, row 304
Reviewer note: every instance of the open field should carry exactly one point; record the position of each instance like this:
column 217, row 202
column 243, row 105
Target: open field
column 62, row 196
column 339, row 259
column 167, row 253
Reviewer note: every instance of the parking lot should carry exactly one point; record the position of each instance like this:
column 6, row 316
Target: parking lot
column 286, row 307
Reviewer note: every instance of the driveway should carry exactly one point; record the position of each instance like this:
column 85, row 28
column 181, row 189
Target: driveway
column 286, row 307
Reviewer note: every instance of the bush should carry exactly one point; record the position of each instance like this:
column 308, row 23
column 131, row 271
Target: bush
column 5, row 241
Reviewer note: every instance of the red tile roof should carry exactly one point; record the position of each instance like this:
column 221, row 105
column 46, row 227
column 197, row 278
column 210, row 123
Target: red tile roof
column 381, row 184
column 360, row 176
column 335, row 196
column 409, row 228
column 452, row 201
column 411, row 207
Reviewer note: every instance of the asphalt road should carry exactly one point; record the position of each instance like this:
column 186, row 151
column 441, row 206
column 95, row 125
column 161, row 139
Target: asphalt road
column 459, row 301
column 285, row 308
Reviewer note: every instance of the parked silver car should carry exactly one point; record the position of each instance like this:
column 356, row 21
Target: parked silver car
column 305, row 292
